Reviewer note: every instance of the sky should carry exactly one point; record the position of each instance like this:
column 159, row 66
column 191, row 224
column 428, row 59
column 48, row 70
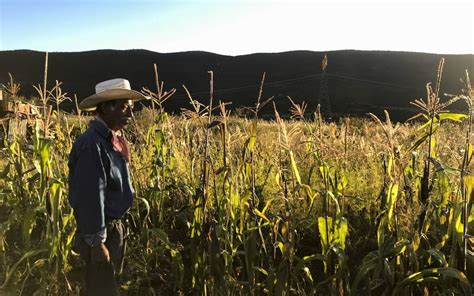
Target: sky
column 237, row 27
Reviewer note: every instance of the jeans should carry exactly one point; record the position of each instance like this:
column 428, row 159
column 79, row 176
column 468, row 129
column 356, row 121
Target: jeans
column 100, row 278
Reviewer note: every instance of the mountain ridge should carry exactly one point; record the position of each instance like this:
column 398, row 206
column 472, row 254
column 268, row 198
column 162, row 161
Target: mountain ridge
column 358, row 81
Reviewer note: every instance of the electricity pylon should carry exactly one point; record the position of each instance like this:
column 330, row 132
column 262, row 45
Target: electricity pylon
column 323, row 98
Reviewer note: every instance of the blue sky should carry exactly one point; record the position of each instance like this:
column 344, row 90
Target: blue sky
column 235, row 27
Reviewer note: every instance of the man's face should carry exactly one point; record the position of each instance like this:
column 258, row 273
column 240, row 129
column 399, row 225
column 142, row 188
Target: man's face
column 119, row 114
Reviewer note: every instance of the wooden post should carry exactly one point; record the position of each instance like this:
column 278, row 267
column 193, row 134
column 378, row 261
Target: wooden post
column 3, row 101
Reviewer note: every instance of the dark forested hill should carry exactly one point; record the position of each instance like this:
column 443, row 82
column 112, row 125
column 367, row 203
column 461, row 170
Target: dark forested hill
column 358, row 81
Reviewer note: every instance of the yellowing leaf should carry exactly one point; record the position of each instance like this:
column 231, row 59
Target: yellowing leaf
column 294, row 168
column 391, row 201
column 342, row 232
column 261, row 215
column 469, row 153
column 433, row 146
column 325, row 236
column 469, row 183
column 253, row 136
column 451, row 116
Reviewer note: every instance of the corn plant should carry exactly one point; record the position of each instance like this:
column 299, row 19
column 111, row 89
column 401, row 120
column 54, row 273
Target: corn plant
column 232, row 206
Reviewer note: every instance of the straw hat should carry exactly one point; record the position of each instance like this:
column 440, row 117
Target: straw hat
column 109, row 90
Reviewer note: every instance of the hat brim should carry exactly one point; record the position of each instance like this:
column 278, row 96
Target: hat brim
column 90, row 103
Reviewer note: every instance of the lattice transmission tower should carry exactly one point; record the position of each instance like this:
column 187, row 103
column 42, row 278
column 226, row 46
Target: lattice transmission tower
column 323, row 98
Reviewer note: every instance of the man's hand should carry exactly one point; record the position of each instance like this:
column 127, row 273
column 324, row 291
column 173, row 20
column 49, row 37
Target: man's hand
column 99, row 254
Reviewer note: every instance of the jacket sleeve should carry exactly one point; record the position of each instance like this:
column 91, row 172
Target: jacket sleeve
column 88, row 182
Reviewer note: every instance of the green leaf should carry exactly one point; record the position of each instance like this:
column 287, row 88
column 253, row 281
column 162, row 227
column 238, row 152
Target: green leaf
column 14, row 267
column 159, row 139
column 234, row 201
column 281, row 279
column 421, row 139
column 306, row 259
column 370, row 262
column 163, row 237
column 342, row 259
column 325, row 235
column 427, row 124
column 381, row 231
column 451, row 116
column 341, row 232
column 433, row 147
column 263, row 271
column 391, row 201
column 308, row 275
column 469, row 152
column 294, row 168
column 147, row 207
column 439, row 166
column 439, row 256
column 261, row 215
column 396, row 249
column 437, row 275
column 55, row 195
column 442, row 183
column 6, row 170
column 342, row 184
column 469, row 185
column 28, row 223
column 253, row 136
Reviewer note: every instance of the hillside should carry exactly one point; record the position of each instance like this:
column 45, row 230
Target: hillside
column 358, row 81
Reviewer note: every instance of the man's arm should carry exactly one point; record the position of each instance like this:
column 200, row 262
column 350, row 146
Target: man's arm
column 88, row 182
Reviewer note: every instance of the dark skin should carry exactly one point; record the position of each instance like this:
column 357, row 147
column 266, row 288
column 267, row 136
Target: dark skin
column 117, row 115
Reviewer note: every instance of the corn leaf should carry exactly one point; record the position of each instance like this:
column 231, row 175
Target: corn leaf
column 13, row 268
column 253, row 136
column 325, row 236
column 391, row 201
column 469, row 185
column 294, row 168
column 469, row 153
column 437, row 275
column 439, row 256
column 342, row 230
column 451, row 116
column 421, row 139
column 261, row 215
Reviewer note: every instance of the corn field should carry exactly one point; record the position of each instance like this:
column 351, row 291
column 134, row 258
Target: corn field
column 242, row 206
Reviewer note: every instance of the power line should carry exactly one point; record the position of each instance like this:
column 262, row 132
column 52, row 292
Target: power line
column 307, row 77
column 274, row 83
column 376, row 82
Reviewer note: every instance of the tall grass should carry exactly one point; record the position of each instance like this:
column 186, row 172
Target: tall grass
column 231, row 206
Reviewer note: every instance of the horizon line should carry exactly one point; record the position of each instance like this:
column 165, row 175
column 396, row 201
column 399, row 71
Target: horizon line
column 267, row 52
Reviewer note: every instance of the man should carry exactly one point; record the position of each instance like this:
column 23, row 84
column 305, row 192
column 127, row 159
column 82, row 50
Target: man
column 100, row 190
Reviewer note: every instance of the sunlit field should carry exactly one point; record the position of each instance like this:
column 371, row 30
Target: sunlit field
column 242, row 206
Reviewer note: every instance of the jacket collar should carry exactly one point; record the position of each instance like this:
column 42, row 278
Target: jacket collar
column 101, row 127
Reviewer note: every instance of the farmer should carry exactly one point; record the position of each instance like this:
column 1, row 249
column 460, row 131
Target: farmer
column 100, row 190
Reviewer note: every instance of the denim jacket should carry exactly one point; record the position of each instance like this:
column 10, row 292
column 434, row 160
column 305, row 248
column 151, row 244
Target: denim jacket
column 100, row 189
